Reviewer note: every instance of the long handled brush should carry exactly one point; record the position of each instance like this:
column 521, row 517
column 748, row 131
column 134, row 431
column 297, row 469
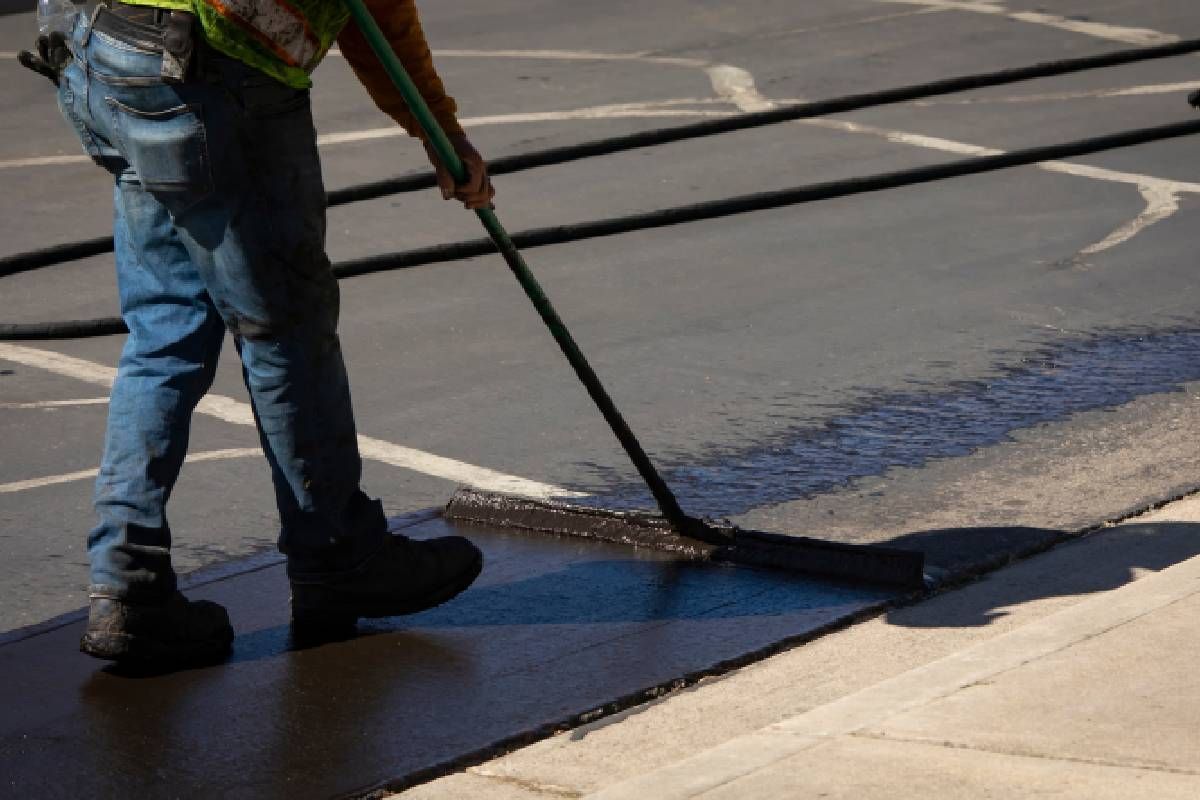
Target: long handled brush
column 675, row 530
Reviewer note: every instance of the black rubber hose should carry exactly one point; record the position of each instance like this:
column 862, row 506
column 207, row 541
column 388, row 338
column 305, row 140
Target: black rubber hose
column 787, row 113
column 34, row 259
column 762, row 201
column 55, row 254
column 66, row 329
column 712, row 209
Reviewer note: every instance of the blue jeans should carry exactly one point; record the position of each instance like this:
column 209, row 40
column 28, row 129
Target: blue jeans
column 219, row 225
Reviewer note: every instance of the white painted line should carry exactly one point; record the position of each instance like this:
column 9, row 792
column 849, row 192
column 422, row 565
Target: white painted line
column 5, row 54
column 653, row 110
column 575, row 55
column 962, row 148
column 1099, row 30
column 566, row 55
column 52, row 480
column 736, row 85
column 657, row 109
column 867, row 711
column 1161, row 195
column 457, row 471
column 87, row 401
column 661, row 109
column 1161, row 203
column 59, row 364
column 84, row 474
column 239, row 413
column 44, row 161
column 902, row 137
column 1055, row 97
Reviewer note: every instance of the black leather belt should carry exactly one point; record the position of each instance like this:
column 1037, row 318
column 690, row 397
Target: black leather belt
column 172, row 33
column 138, row 25
column 142, row 15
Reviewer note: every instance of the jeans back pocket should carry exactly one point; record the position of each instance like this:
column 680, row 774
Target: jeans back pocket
column 168, row 150
column 70, row 103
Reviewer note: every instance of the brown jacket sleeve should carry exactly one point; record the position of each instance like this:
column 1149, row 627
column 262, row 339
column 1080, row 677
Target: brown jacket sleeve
column 400, row 24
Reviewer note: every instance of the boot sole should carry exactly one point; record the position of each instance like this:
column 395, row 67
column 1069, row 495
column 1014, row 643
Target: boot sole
column 324, row 612
column 128, row 649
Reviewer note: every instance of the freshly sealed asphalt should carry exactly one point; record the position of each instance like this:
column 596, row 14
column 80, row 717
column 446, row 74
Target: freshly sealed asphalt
column 962, row 365
column 553, row 632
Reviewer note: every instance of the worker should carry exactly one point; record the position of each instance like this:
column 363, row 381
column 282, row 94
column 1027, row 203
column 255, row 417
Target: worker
column 200, row 110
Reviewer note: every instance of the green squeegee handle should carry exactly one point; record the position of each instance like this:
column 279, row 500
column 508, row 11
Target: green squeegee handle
column 445, row 151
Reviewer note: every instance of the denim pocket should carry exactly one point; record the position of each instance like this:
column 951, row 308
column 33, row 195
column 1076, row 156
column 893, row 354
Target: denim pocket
column 72, row 78
column 168, row 151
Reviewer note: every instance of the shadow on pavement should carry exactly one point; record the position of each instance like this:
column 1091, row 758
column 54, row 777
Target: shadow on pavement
column 1114, row 556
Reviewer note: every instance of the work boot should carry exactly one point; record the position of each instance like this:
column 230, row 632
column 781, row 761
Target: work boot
column 174, row 631
column 405, row 576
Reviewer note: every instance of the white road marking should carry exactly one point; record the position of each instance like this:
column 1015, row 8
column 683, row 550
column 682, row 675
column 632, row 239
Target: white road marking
column 1161, row 203
column 59, row 364
column 737, row 87
column 44, row 161
column 656, row 109
column 84, row 474
column 1161, row 195
column 649, row 110
column 86, row 401
column 901, row 137
column 575, row 55
column 1054, row 97
column 1099, row 30
column 239, row 413
column 660, row 109
column 563, row 55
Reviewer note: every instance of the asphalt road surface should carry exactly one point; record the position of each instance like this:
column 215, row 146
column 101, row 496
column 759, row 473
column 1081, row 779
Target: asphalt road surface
column 972, row 363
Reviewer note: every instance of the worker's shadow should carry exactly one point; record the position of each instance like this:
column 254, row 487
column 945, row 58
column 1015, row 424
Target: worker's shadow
column 1099, row 562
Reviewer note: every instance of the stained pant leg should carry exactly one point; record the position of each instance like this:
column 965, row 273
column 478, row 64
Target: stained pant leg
column 226, row 225
column 259, row 243
column 167, row 364
column 170, row 355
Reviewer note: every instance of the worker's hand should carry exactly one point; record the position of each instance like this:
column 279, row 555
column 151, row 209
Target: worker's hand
column 1194, row 99
column 477, row 192
column 51, row 57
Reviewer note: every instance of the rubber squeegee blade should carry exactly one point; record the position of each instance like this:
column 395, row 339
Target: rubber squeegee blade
column 858, row 563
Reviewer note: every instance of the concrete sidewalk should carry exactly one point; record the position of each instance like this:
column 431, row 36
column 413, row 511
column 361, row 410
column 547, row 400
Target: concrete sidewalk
column 1071, row 674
